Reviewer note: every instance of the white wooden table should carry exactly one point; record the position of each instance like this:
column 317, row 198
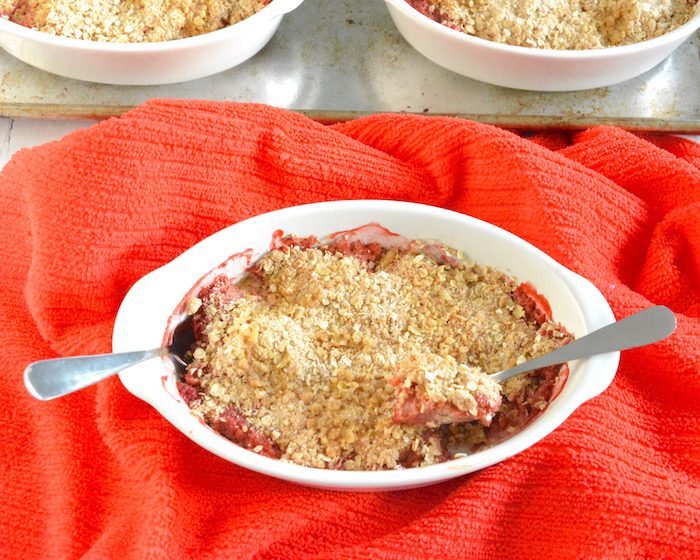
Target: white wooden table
column 21, row 133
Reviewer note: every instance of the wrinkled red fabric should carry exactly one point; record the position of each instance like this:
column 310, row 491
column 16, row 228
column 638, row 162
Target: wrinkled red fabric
column 100, row 474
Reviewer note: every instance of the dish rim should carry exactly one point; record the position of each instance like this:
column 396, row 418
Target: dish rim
column 595, row 314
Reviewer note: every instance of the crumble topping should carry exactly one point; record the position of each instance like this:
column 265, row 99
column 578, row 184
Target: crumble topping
column 435, row 390
column 303, row 354
column 560, row 24
column 129, row 21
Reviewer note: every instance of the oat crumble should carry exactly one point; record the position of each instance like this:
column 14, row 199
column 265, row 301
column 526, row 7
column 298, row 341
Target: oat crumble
column 435, row 390
column 560, row 24
column 129, row 21
column 352, row 356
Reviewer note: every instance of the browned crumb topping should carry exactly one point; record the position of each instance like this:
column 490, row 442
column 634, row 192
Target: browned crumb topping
column 307, row 345
column 561, row 24
column 129, row 21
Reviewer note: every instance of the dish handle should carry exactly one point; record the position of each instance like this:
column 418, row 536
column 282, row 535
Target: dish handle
column 597, row 313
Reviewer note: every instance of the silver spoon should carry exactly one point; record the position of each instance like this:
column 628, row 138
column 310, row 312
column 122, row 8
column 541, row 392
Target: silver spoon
column 49, row 379
column 642, row 328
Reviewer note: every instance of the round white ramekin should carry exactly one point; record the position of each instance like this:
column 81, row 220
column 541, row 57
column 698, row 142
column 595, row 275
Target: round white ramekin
column 143, row 316
column 156, row 63
column 530, row 68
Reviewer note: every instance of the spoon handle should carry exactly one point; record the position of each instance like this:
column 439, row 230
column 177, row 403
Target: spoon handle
column 48, row 379
column 646, row 327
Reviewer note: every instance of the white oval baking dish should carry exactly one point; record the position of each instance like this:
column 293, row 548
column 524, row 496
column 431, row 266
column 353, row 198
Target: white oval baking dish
column 143, row 316
column 155, row 63
column 530, row 68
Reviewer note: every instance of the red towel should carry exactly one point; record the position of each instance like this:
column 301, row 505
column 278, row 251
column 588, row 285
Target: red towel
column 101, row 474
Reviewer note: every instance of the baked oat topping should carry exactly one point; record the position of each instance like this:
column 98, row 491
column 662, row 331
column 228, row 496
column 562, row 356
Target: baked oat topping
column 129, row 21
column 352, row 356
column 560, row 24
column 435, row 390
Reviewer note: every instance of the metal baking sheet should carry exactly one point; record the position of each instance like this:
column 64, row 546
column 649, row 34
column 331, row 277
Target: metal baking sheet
column 335, row 59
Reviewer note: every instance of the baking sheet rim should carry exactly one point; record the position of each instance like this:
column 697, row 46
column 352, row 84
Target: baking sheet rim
column 523, row 122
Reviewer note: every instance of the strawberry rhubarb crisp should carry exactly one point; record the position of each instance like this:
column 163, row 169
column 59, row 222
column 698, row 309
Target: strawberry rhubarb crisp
column 560, row 24
column 128, row 21
column 349, row 354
